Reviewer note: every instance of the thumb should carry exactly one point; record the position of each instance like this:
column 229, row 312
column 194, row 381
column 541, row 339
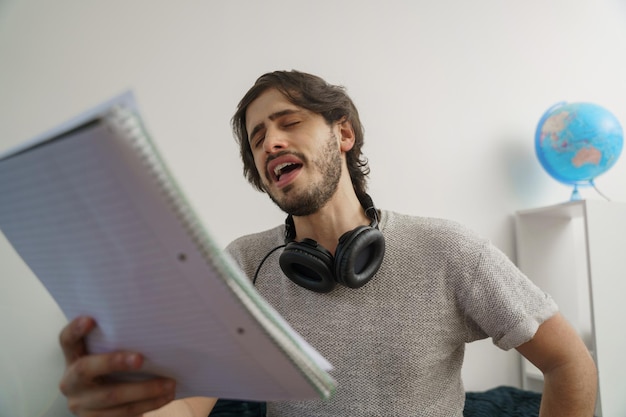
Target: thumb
column 72, row 338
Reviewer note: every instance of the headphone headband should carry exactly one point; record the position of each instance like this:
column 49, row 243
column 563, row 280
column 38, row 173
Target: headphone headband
column 370, row 210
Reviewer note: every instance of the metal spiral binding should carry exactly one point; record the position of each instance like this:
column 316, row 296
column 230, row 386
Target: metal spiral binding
column 129, row 124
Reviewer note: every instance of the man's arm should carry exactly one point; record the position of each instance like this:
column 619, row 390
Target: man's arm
column 570, row 375
column 187, row 407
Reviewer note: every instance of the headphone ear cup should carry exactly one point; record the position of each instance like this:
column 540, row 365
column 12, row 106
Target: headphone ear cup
column 309, row 265
column 358, row 256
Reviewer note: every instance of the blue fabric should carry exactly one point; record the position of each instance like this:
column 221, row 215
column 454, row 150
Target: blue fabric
column 233, row 408
column 502, row 402
column 497, row 402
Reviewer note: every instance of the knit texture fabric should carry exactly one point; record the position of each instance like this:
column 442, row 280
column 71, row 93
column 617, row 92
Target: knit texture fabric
column 397, row 343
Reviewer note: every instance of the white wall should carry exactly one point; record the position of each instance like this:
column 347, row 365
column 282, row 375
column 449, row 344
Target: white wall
column 449, row 91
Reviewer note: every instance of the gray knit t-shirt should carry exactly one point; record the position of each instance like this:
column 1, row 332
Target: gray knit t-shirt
column 397, row 343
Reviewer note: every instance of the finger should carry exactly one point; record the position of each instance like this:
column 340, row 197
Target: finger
column 86, row 371
column 72, row 338
column 122, row 394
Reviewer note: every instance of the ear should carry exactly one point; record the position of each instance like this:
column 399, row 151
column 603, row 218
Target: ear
column 346, row 134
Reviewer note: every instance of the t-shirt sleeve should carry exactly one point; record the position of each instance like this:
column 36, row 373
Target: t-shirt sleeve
column 500, row 302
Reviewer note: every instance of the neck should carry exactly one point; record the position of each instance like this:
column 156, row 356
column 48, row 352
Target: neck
column 342, row 213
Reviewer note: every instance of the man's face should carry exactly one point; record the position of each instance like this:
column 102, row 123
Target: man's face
column 296, row 153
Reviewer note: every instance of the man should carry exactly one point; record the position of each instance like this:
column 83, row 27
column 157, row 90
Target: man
column 411, row 291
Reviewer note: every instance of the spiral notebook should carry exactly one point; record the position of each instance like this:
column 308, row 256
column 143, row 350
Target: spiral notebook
column 93, row 210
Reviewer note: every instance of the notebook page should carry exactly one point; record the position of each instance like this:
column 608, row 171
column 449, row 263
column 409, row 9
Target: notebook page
column 135, row 146
column 78, row 220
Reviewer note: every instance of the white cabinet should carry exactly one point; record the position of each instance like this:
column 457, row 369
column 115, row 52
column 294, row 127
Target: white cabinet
column 576, row 252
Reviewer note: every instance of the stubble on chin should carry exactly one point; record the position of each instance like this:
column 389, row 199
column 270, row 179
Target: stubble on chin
column 298, row 204
column 310, row 198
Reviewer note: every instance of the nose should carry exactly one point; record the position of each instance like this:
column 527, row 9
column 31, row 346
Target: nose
column 274, row 141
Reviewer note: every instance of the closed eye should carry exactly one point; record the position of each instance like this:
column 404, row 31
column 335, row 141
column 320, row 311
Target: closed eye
column 292, row 123
column 258, row 141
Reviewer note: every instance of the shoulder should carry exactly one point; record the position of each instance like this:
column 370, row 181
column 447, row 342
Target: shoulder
column 261, row 240
column 429, row 232
column 252, row 247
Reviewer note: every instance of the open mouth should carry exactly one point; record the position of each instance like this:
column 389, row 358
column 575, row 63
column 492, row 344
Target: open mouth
column 282, row 169
column 285, row 168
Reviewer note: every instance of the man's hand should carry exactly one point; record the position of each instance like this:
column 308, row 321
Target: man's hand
column 91, row 392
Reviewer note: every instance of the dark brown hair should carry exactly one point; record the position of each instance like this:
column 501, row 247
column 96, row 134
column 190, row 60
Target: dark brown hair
column 314, row 94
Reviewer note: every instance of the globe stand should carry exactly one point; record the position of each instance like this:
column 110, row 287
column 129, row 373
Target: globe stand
column 575, row 194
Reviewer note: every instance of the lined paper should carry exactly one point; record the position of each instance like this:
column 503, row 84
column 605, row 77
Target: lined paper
column 97, row 229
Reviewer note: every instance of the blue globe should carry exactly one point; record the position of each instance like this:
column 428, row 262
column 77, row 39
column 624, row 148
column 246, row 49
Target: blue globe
column 577, row 142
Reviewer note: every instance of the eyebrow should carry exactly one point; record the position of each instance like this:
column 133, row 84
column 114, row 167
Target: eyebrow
column 272, row 117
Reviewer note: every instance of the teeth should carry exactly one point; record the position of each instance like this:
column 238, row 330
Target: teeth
column 279, row 168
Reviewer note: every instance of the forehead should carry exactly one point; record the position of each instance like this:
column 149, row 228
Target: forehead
column 269, row 102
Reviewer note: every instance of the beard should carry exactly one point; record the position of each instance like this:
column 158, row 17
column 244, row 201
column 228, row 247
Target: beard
column 309, row 200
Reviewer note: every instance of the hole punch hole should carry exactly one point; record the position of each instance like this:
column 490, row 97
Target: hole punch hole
column 182, row 257
column 240, row 330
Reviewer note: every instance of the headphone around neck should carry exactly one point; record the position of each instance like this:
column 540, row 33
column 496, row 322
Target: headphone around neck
column 358, row 256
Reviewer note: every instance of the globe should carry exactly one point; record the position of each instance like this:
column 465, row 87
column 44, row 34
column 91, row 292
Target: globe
column 577, row 142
